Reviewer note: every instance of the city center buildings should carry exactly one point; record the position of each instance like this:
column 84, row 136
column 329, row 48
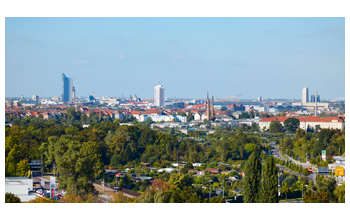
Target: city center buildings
column 67, row 89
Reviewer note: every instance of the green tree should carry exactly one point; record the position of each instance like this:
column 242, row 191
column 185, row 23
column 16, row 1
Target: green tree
column 22, row 168
column 291, row 124
column 300, row 133
column 77, row 163
column 11, row 198
column 268, row 192
column 285, row 189
column 252, row 178
column 339, row 193
column 276, row 127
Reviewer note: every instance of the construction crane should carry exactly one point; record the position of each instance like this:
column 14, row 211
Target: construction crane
column 94, row 95
column 232, row 96
column 239, row 96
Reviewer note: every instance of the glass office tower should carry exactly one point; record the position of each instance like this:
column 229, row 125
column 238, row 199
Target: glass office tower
column 67, row 88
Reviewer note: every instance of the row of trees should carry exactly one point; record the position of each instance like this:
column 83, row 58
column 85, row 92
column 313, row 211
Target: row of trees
column 260, row 183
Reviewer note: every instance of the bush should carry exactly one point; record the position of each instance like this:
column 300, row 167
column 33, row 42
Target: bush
column 11, row 198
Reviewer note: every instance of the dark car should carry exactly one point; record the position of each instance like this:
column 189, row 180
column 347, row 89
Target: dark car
column 56, row 198
column 47, row 195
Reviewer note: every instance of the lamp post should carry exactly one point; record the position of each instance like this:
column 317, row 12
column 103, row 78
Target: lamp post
column 223, row 189
column 210, row 191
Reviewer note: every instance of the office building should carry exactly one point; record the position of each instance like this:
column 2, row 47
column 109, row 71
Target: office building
column 67, row 89
column 159, row 95
column 305, row 95
column 313, row 98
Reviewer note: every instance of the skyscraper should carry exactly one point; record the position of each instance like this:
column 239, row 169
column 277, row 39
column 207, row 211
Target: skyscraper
column 67, row 88
column 305, row 95
column 159, row 95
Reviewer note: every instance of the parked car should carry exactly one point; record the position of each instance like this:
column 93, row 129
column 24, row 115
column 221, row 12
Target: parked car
column 56, row 198
column 47, row 195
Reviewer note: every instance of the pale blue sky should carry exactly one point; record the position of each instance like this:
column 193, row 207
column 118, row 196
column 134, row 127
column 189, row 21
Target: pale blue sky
column 271, row 57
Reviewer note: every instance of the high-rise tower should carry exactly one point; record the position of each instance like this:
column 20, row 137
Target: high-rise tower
column 212, row 106
column 208, row 106
column 305, row 95
column 67, row 88
column 159, row 95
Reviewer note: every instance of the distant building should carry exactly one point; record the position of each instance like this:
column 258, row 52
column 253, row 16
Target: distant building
column 67, row 89
column 35, row 98
column 313, row 98
column 159, row 95
column 307, row 122
column 305, row 95
column 73, row 93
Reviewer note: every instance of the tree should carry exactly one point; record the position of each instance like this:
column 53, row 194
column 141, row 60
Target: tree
column 283, row 114
column 77, row 163
column 276, row 127
column 11, row 198
column 22, row 168
column 268, row 192
column 250, row 147
column 148, row 121
column 120, row 198
column 291, row 124
column 251, row 180
column 285, row 189
column 339, row 193
column 300, row 133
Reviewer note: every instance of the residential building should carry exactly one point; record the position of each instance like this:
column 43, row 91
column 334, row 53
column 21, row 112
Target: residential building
column 159, row 95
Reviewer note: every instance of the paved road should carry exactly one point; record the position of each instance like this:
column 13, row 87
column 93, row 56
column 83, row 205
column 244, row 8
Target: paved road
column 276, row 154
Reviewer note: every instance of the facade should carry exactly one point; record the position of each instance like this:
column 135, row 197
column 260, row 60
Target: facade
column 313, row 98
column 305, row 95
column 307, row 122
column 67, row 89
column 159, row 95
column 20, row 186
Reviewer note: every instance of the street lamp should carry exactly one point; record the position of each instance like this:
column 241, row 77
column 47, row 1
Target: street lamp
column 210, row 190
column 223, row 188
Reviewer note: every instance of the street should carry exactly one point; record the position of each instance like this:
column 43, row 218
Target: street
column 276, row 154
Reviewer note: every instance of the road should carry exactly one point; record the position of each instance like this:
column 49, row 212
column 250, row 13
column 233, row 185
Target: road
column 276, row 154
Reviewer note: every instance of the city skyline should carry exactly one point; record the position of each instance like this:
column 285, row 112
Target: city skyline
column 269, row 57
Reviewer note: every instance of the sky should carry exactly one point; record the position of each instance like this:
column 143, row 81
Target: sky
column 269, row 57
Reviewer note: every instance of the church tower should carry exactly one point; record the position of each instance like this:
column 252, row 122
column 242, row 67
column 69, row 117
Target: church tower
column 208, row 106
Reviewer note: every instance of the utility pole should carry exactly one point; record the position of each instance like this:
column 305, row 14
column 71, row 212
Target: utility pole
column 223, row 189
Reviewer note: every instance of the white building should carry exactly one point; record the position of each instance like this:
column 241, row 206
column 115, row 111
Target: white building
column 159, row 95
column 167, row 118
column 307, row 122
column 20, row 186
column 305, row 95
